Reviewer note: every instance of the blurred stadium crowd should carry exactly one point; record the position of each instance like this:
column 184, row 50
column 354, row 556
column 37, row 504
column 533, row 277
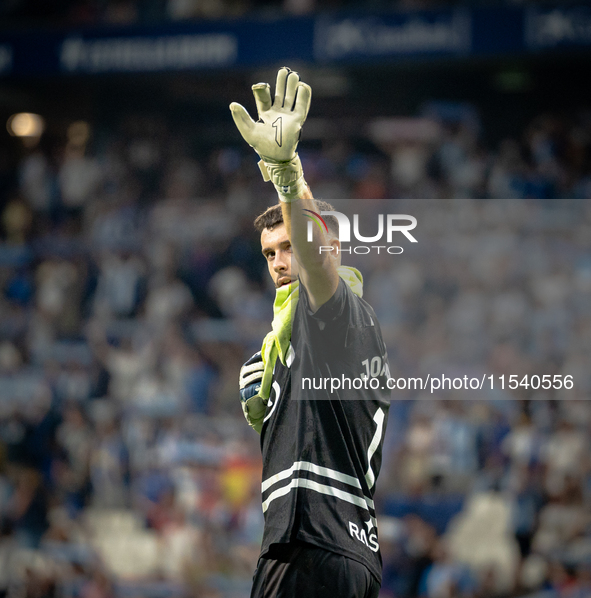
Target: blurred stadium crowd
column 124, row 12
column 120, row 12
column 133, row 289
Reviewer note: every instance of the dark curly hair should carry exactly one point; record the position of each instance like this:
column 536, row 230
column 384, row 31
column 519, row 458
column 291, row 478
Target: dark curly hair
column 273, row 217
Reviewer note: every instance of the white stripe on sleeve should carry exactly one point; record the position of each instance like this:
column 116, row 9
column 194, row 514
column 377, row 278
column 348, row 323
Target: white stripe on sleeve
column 370, row 477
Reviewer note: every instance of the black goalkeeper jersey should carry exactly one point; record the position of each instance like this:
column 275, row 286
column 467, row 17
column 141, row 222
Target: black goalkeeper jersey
column 322, row 445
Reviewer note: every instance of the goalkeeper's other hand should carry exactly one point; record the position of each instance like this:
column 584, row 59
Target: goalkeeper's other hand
column 253, row 406
column 251, row 375
column 276, row 134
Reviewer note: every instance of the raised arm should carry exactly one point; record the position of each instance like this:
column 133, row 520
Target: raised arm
column 318, row 269
column 275, row 137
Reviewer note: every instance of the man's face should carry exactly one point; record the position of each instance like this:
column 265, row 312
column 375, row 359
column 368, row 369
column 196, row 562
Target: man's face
column 276, row 248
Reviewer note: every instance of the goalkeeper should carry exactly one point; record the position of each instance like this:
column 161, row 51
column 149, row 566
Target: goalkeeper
column 321, row 449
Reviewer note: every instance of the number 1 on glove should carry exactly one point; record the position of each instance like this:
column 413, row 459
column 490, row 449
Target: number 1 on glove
column 276, row 134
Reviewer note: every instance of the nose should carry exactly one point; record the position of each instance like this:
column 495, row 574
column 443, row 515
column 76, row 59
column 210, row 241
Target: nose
column 281, row 262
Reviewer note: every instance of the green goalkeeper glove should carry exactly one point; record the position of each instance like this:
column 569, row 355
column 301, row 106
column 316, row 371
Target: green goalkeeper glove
column 276, row 134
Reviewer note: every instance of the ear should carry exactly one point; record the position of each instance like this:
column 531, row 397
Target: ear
column 336, row 249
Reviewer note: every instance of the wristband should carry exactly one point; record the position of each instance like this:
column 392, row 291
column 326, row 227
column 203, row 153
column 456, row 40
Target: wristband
column 288, row 177
column 291, row 193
